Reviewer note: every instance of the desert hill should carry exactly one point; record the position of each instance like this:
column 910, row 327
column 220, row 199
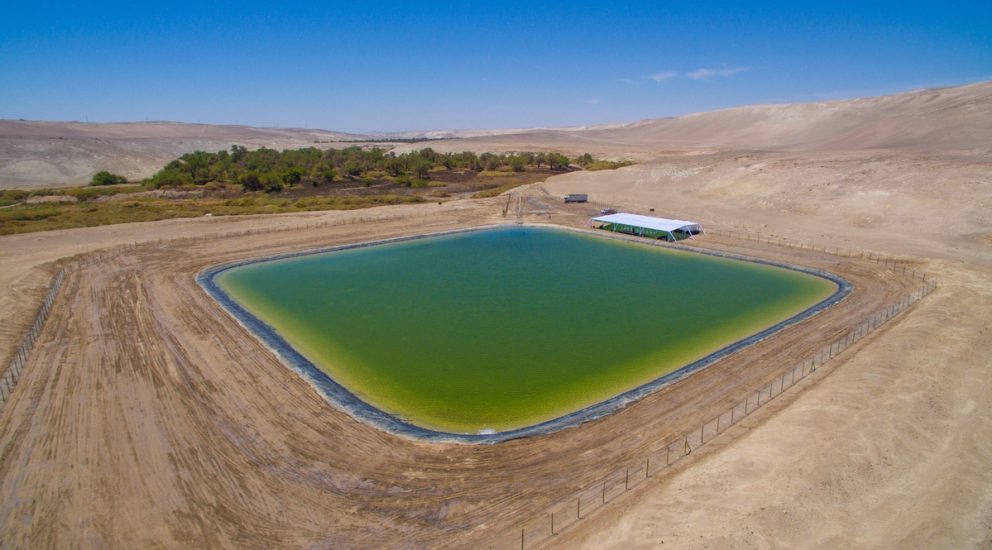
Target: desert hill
column 927, row 120
column 957, row 119
column 941, row 119
column 39, row 154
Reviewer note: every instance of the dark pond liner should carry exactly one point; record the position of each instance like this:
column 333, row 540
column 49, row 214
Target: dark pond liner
column 343, row 399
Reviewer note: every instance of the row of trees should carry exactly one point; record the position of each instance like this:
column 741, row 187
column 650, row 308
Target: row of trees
column 270, row 170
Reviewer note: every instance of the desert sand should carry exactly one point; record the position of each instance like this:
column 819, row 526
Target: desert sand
column 146, row 418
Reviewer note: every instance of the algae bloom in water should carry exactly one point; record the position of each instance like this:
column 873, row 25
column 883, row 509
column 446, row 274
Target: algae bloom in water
column 506, row 328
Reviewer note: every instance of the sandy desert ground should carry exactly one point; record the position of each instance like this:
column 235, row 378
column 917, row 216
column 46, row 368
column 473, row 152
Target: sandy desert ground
column 146, row 418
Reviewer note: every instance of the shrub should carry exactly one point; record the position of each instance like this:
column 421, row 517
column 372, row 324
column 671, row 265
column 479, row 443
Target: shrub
column 251, row 182
column 104, row 177
column 271, row 182
column 170, row 177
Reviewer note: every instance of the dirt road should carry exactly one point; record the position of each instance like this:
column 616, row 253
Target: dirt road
column 147, row 418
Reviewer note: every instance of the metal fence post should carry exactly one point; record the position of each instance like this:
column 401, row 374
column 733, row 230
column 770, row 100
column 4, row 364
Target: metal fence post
column 818, row 357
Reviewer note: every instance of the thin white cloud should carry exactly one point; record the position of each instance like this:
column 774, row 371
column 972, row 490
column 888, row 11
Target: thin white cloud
column 702, row 74
column 663, row 76
column 716, row 72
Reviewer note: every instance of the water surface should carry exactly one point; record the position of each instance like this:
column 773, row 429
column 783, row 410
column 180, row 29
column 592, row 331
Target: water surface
column 506, row 328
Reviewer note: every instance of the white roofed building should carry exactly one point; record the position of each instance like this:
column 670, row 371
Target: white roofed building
column 648, row 226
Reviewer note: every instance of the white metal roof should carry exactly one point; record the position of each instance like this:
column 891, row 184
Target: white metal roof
column 649, row 222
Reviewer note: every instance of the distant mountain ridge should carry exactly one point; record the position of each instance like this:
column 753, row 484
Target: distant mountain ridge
column 38, row 153
column 940, row 119
column 158, row 129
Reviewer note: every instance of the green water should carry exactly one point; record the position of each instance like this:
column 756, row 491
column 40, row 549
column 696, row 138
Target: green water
column 509, row 327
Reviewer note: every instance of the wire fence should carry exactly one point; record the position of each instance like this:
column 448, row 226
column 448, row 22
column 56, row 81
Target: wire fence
column 845, row 252
column 542, row 528
column 667, row 453
column 16, row 366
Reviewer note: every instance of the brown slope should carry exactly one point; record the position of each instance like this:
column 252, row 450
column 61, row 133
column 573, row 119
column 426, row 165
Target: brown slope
column 40, row 154
column 935, row 119
column 160, row 130
column 942, row 119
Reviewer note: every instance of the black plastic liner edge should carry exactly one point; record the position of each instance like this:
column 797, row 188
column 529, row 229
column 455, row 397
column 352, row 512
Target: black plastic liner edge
column 348, row 402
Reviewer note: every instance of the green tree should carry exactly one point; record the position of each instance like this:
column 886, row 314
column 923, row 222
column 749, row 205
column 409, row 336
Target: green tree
column 271, row 182
column 238, row 153
column 489, row 161
column 558, row 161
column 292, row 176
column 104, row 177
column 352, row 167
column 326, row 176
column 468, row 160
column 395, row 166
column 251, row 182
column 170, row 177
column 420, row 166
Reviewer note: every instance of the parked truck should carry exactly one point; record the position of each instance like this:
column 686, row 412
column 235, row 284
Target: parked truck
column 577, row 197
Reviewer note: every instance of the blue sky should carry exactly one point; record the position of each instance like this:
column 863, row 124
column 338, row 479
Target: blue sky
column 392, row 66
